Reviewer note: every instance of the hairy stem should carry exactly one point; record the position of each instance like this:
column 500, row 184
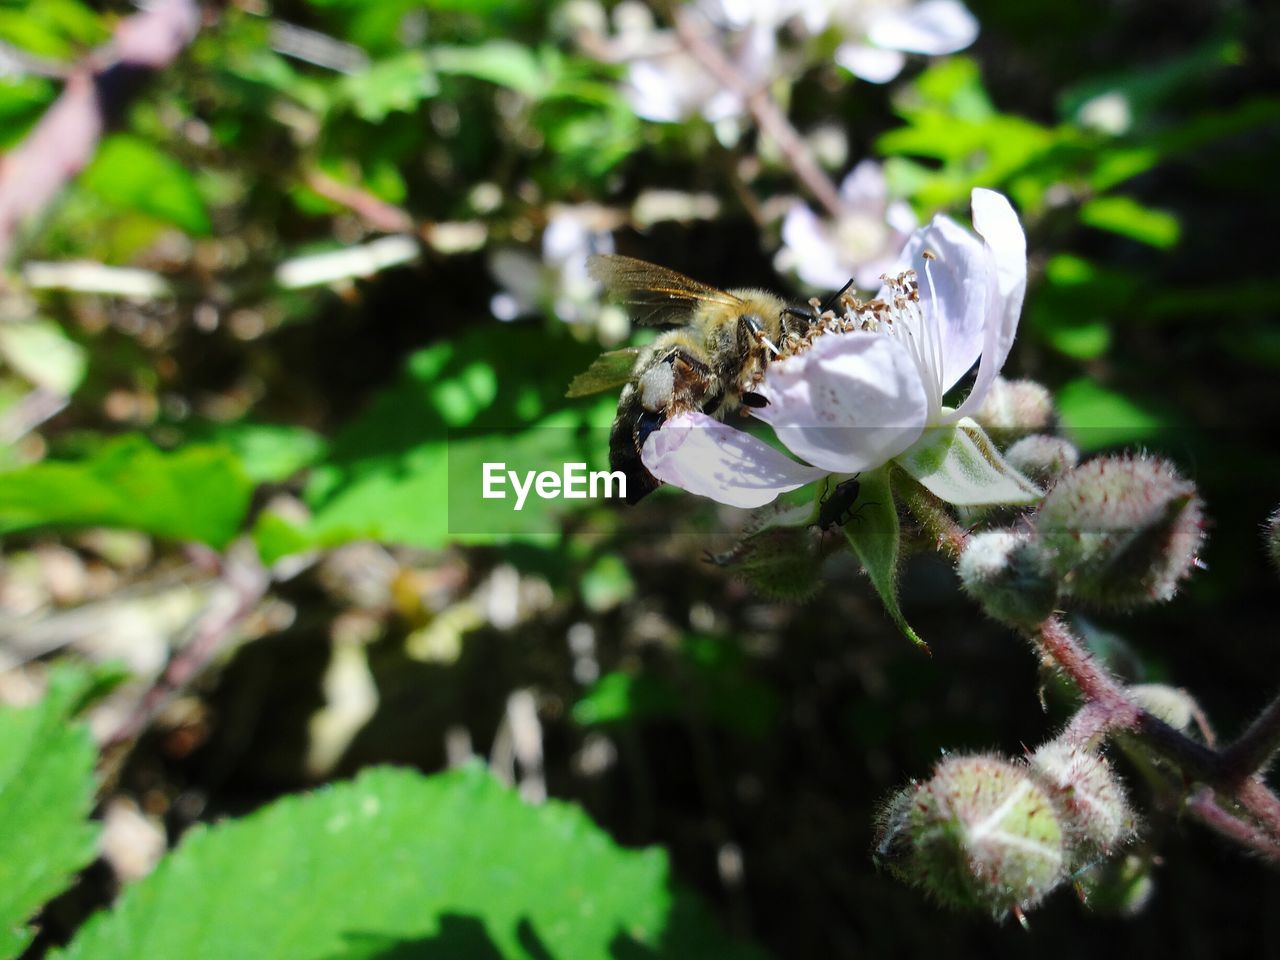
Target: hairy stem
column 1254, row 748
column 1204, row 806
column 948, row 534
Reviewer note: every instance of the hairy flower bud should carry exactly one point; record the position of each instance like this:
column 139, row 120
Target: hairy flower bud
column 1121, row 887
column 1088, row 797
column 1015, row 408
column 1271, row 535
column 980, row 833
column 1009, row 574
column 1042, row 458
column 1122, row 531
column 1173, row 705
column 780, row 563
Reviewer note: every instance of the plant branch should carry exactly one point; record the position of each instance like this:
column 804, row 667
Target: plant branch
column 1204, row 806
column 1253, row 749
column 94, row 97
column 768, row 115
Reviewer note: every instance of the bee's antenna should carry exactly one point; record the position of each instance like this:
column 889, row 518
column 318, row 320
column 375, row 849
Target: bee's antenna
column 831, row 301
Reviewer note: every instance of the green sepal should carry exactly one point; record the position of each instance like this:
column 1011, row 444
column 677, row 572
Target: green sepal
column 959, row 464
column 875, row 538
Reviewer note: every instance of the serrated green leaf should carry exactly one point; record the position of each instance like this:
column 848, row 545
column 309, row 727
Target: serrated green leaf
column 132, row 174
column 196, row 493
column 46, row 794
column 269, row 452
column 452, row 865
column 875, row 538
column 958, row 464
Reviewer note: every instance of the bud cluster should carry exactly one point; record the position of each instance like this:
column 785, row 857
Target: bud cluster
column 999, row 835
column 1115, row 532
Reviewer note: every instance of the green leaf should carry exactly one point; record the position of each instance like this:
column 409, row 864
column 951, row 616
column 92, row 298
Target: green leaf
column 1127, row 217
column 410, row 469
column 268, row 452
column 1095, row 417
column 397, row 83
column 959, row 464
column 393, row 862
column 46, row 794
column 875, row 538
column 41, row 352
column 502, row 62
column 195, row 493
column 132, row 174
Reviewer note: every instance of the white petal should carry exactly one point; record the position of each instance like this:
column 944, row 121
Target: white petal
column 700, row 454
column 933, row 27
column 865, row 187
column 813, row 250
column 901, row 217
column 953, row 293
column 1006, row 251
column 851, row 402
column 873, row 64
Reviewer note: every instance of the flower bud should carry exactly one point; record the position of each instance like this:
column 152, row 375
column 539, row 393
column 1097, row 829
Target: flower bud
column 1122, row 531
column 981, row 833
column 1043, row 458
column 780, row 563
column 1015, row 408
column 1088, row 797
column 1009, row 574
column 1120, row 887
column 1271, row 535
column 1173, row 705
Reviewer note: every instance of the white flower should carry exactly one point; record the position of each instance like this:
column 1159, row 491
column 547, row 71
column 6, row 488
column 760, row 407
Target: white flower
column 878, row 35
column 855, row 400
column 558, row 283
column 862, row 242
column 669, row 85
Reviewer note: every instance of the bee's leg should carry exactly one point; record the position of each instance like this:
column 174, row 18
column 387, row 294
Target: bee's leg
column 751, row 333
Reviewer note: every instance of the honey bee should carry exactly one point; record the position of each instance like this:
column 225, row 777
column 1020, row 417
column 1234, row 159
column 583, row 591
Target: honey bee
column 722, row 342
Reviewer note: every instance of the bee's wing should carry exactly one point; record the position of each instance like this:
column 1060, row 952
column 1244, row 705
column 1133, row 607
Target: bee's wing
column 607, row 371
column 662, row 295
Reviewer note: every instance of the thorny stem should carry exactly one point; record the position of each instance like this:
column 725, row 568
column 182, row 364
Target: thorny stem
column 1109, row 707
column 949, row 535
column 766, row 112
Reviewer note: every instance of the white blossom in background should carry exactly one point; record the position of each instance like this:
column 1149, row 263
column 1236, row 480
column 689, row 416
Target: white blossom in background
column 878, row 34
column 558, row 282
column 666, row 84
column 862, row 243
column 855, row 400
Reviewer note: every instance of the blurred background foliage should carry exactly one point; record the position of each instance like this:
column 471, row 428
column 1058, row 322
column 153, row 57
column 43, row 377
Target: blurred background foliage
column 330, row 261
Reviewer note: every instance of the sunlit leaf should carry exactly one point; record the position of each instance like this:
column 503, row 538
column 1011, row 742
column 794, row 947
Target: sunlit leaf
column 396, row 863
column 196, row 493
column 131, row 174
column 46, row 793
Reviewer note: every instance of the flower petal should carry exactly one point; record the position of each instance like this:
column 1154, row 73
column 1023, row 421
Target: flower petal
column 873, row 64
column 850, row 402
column 812, row 250
column 1006, row 251
column 865, row 187
column 933, row 27
column 712, row 459
column 953, row 293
